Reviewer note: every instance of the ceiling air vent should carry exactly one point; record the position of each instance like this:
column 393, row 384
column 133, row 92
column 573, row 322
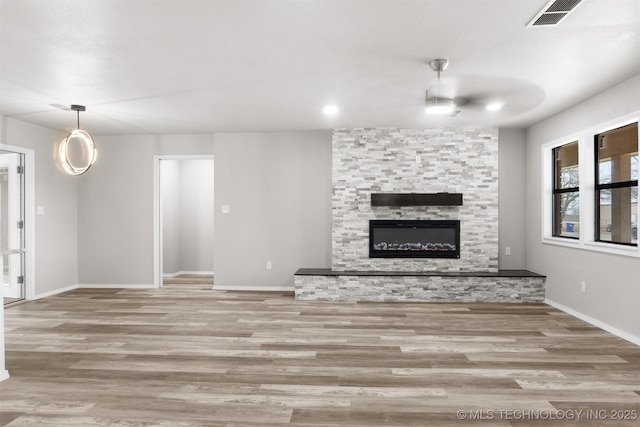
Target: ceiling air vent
column 554, row 12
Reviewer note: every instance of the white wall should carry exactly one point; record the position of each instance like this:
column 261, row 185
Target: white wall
column 613, row 281
column 278, row 189
column 170, row 206
column 196, row 215
column 512, row 225
column 115, row 208
column 187, row 215
column 277, row 184
column 56, row 237
column 98, row 228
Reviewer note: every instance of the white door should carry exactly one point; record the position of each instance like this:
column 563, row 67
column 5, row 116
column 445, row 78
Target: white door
column 12, row 224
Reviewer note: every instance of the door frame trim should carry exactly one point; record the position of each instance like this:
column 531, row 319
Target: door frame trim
column 157, row 212
column 29, row 217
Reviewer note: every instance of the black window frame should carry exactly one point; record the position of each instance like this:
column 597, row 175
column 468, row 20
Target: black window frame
column 556, row 191
column 608, row 186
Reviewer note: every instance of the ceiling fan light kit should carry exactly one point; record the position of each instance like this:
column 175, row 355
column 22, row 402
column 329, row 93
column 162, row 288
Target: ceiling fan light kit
column 439, row 99
column 439, row 105
column 78, row 141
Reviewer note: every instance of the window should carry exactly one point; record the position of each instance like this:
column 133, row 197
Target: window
column 616, row 185
column 566, row 191
column 590, row 188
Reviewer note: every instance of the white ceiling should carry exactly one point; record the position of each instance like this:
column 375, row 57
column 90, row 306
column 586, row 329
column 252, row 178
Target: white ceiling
column 196, row 66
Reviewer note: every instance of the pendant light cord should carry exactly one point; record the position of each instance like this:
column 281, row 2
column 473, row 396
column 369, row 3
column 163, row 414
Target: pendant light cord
column 78, row 112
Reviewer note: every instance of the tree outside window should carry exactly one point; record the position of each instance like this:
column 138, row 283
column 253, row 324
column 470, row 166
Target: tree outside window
column 566, row 194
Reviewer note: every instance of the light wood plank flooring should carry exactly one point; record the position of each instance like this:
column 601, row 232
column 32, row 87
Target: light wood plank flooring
column 185, row 355
column 189, row 279
column 8, row 300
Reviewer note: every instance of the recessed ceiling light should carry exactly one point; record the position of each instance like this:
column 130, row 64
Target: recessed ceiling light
column 330, row 110
column 495, row 106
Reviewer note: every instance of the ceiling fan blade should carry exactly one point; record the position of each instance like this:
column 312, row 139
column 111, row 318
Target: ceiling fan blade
column 61, row 107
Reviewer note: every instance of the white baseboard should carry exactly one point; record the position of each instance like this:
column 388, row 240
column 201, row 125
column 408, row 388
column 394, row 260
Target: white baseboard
column 254, row 288
column 115, row 286
column 54, row 292
column 177, row 273
column 615, row 331
column 4, row 375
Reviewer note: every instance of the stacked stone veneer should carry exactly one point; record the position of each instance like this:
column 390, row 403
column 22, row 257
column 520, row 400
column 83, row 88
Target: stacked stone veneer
column 456, row 160
column 420, row 288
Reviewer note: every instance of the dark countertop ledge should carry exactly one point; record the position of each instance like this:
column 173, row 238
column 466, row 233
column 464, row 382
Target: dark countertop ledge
column 499, row 273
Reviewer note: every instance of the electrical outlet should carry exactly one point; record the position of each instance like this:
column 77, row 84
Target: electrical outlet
column 418, row 159
column 583, row 286
column 268, row 265
column 507, row 250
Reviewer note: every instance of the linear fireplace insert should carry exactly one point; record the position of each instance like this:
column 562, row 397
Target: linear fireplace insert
column 414, row 239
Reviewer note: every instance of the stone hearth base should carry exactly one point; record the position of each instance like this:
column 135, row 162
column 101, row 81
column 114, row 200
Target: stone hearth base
column 504, row 286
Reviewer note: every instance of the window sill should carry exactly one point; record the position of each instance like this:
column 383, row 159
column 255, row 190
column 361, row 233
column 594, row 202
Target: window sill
column 609, row 248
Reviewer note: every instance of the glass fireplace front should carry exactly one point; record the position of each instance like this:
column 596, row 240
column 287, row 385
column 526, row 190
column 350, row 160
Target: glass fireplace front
column 414, row 239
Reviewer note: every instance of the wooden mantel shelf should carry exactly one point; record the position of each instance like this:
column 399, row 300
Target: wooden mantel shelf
column 416, row 199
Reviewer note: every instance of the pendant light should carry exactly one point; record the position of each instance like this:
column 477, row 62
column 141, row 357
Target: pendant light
column 77, row 142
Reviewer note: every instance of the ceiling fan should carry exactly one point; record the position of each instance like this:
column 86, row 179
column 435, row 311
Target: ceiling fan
column 441, row 100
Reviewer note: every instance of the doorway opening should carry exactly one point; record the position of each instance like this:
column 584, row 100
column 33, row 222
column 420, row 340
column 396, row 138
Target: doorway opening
column 183, row 212
column 15, row 223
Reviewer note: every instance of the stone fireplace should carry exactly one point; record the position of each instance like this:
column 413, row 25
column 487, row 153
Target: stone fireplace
column 370, row 162
column 452, row 160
